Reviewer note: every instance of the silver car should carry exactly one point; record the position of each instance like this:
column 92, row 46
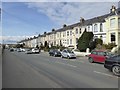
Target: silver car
column 67, row 54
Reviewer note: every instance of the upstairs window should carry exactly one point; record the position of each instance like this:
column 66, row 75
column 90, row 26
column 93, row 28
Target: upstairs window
column 101, row 27
column 80, row 31
column 95, row 28
column 112, row 22
column 88, row 28
column 70, row 33
column 58, row 35
column 64, row 34
column 76, row 30
column 67, row 33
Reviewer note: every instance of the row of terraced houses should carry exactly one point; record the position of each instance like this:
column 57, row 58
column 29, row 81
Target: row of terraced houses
column 106, row 27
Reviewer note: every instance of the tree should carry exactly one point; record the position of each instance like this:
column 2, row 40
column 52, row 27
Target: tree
column 92, row 45
column 84, row 40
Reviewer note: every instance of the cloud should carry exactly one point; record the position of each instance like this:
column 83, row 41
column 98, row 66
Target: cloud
column 70, row 12
column 12, row 39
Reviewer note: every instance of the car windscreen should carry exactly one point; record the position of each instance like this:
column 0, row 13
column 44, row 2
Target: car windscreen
column 117, row 57
column 69, row 51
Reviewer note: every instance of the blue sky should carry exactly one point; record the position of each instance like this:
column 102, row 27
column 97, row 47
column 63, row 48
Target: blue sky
column 20, row 19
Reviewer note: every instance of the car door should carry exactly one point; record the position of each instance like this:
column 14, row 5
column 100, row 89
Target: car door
column 101, row 57
column 94, row 55
column 63, row 53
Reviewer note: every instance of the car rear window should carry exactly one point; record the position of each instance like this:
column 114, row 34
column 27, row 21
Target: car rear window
column 116, row 57
column 94, row 52
column 101, row 53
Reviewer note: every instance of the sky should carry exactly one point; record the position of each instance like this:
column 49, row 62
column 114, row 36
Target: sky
column 24, row 19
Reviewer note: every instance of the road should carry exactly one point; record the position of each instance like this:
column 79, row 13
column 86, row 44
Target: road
column 22, row 70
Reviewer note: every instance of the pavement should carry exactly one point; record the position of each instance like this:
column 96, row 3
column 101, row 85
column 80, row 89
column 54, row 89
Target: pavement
column 22, row 70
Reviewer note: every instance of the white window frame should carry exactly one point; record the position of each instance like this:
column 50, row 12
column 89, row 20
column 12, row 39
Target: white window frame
column 76, row 30
column 118, row 22
column 70, row 41
column 101, row 27
column 112, row 22
column 67, row 33
column 70, row 33
column 95, row 28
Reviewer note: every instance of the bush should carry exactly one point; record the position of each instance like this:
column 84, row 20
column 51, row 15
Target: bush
column 84, row 40
column 97, row 43
column 98, row 46
column 109, row 45
column 62, row 48
column 58, row 47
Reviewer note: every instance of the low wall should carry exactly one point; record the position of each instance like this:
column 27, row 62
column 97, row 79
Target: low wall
column 84, row 54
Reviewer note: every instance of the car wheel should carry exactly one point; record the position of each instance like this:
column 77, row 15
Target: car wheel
column 116, row 70
column 68, row 57
column 54, row 55
column 61, row 56
column 91, row 60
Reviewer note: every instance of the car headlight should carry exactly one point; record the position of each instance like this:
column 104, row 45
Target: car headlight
column 55, row 53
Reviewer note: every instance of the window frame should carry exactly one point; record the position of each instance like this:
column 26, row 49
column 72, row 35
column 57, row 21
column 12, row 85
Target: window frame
column 95, row 27
column 112, row 22
column 76, row 31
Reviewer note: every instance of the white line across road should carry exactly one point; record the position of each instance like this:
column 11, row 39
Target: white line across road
column 67, row 64
column 104, row 74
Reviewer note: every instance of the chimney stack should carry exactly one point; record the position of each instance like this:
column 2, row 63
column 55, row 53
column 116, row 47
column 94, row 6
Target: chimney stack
column 82, row 19
column 53, row 30
column 113, row 9
column 64, row 25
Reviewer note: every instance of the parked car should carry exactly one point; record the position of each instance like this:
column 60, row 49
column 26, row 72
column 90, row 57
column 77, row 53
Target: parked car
column 67, row 54
column 11, row 49
column 98, row 56
column 78, row 53
column 113, row 64
column 21, row 50
column 29, row 51
column 54, row 52
column 33, row 51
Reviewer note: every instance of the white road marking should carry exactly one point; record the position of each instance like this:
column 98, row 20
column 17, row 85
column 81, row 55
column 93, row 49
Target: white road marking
column 81, row 61
column 66, row 64
column 104, row 74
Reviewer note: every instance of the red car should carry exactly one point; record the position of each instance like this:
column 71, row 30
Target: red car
column 98, row 56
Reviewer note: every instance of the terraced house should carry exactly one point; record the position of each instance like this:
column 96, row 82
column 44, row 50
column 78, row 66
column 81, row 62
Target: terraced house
column 106, row 27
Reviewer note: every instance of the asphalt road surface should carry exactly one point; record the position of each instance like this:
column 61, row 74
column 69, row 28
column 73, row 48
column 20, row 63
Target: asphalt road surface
column 22, row 70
